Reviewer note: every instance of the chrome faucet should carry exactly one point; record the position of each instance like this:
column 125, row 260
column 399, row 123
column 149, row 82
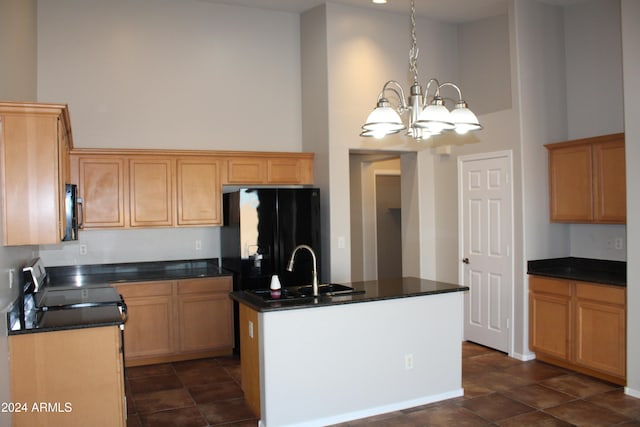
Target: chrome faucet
column 315, row 266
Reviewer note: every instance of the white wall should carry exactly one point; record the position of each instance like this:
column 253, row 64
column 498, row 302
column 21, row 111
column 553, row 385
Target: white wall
column 594, row 68
column 172, row 74
column 315, row 119
column 168, row 74
column 18, row 50
column 543, row 119
column 631, row 67
column 485, row 73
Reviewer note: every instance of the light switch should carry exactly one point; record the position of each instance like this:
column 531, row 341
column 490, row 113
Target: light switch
column 250, row 329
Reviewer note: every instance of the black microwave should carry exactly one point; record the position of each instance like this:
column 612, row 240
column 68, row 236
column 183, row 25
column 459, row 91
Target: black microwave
column 73, row 205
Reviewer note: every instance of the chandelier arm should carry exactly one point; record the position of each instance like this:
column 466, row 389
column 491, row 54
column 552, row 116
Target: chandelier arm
column 454, row 86
column 398, row 91
column 426, row 91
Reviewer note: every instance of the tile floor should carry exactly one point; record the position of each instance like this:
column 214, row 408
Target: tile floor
column 499, row 391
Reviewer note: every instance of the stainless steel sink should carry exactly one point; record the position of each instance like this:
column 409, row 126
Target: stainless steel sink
column 303, row 293
column 328, row 289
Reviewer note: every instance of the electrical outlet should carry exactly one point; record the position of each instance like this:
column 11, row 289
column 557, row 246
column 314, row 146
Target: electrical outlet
column 618, row 243
column 83, row 249
column 408, row 361
column 198, row 245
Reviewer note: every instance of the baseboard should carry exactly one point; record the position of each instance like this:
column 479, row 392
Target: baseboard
column 370, row 412
column 523, row 357
column 631, row 392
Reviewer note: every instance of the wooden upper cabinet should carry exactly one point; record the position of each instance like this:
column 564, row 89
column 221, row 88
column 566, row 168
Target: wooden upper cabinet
column 587, row 180
column 151, row 199
column 199, row 191
column 101, row 186
column 610, row 187
column 247, row 170
column 166, row 188
column 276, row 168
column 34, row 143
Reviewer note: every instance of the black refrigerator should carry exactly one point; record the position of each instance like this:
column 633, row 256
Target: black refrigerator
column 261, row 228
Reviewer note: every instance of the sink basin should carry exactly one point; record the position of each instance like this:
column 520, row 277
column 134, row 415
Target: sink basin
column 302, row 293
column 327, row 289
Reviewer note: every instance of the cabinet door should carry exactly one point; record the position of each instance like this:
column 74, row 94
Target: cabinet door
column 151, row 192
column 81, row 368
column 610, row 182
column 570, row 183
column 550, row 311
column 101, row 187
column 601, row 328
column 205, row 322
column 199, row 191
column 284, row 171
column 31, row 206
column 205, row 314
column 149, row 328
column 246, row 170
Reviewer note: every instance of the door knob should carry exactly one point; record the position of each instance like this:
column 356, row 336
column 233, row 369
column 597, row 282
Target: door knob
column 465, row 260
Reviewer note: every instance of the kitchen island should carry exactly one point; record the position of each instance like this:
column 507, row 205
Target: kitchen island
column 319, row 361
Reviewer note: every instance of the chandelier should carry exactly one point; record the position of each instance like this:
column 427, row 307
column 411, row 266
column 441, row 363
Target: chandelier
column 427, row 116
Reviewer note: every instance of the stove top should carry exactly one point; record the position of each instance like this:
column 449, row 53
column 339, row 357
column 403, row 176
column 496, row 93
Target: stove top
column 52, row 299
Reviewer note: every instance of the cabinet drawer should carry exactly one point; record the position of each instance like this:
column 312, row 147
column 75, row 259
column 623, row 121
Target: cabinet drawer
column 144, row 289
column 601, row 293
column 199, row 286
column 548, row 285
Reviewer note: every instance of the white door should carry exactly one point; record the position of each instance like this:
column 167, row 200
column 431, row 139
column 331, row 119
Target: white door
column 486, row 239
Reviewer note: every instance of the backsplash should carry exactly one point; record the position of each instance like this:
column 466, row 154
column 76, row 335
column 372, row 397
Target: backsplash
column 599, row 241
column 119, row 246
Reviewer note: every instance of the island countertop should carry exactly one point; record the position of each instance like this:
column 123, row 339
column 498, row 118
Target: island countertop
column 366, row 291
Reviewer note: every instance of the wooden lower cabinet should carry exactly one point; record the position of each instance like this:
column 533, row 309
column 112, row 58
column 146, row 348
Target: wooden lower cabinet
column 551, row 317
column 205, row 315
column 74, row 377
column 177, row 320
column 250, row 357
column 579, row 325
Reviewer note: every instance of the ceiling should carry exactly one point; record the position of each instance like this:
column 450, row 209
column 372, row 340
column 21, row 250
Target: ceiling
column 454, row 11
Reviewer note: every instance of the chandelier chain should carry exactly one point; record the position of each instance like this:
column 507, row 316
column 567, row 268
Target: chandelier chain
column 413, row 52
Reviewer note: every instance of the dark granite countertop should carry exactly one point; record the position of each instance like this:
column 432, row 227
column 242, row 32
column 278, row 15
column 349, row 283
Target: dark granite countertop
column 100, row 275
column 77, row 318
column 371, row 290
column 581, row 269
column 104, row 274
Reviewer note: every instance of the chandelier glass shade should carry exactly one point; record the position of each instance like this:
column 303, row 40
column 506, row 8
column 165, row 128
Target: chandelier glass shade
column 426, row 115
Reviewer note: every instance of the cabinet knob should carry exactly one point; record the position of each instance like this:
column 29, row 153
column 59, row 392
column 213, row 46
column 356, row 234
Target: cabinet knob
column 465, row 260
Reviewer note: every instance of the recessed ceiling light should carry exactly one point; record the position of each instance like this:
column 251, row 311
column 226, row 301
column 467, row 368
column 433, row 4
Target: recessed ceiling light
column 379, row 1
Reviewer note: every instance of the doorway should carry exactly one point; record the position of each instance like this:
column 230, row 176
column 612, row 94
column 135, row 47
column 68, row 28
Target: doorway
column 388, row 225
column 485, row 214
column 376, row 225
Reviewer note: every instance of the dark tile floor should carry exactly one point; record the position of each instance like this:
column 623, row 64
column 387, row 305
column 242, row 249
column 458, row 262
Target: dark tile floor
column 499, row 391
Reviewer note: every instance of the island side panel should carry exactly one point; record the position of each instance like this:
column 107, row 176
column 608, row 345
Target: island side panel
column 325, row 365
